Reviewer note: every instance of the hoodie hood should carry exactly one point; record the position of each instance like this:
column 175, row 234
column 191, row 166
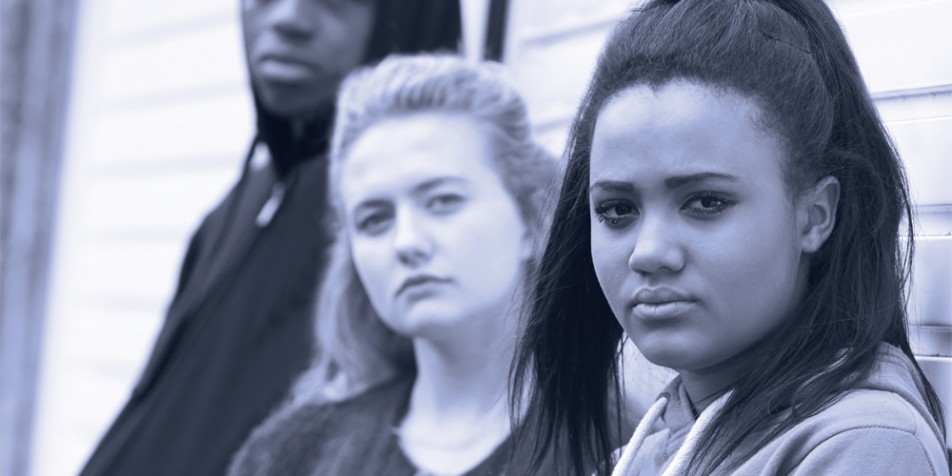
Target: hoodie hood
column 666, row 437
column 896, row 374
column 400, row 26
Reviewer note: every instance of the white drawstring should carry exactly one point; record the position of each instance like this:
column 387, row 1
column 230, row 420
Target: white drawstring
column 687, row 448
column 641, row 432
column 690, row 442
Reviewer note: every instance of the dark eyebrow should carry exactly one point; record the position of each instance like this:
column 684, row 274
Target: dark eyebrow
column 373, row 203
column 670, row 182
column 682, row 180
column 420, row 189
column 613, row 186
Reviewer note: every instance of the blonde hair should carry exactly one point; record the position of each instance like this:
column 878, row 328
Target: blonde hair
column 354, row 349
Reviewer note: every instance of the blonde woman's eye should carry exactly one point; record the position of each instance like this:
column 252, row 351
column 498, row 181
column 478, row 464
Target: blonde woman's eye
column 444, row 203
column 373, row 223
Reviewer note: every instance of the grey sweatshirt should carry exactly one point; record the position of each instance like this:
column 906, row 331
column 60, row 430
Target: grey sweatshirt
column 881, row 427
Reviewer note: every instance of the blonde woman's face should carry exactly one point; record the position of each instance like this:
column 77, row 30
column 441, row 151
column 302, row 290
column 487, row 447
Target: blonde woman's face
column 437, row 240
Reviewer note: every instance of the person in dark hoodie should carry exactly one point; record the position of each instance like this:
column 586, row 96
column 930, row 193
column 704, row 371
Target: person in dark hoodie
column 239, row 326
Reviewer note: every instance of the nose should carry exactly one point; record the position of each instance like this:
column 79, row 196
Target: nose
column 294, row 18
column 410, row 241
column 656, row 248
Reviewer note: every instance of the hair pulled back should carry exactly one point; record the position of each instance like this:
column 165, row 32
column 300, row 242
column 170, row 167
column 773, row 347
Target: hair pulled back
column 355, row 350
column 791, row 58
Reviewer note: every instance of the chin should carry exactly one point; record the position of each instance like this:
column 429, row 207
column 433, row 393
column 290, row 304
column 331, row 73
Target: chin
column 415, row 324
column 288, row 109
column 668, row 354
column 290, row 103
column 436, row 326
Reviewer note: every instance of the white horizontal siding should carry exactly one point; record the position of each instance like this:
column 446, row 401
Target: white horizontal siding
column 900, row 45
column 160, row 120
column 201, row 57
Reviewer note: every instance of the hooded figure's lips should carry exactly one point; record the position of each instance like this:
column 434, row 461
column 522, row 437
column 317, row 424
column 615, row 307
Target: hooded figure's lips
column 289, row 58
column 286, row 67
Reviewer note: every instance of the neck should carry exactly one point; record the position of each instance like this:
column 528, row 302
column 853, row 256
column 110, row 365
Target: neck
column 461, row 379
column 705, row 385
column 297, row 128
column 461, row 395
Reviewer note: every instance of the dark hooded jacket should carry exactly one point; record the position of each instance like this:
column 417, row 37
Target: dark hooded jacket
column 239, row 327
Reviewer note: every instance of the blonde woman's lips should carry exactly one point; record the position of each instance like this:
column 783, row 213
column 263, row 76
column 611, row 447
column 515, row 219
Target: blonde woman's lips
column 419, row 281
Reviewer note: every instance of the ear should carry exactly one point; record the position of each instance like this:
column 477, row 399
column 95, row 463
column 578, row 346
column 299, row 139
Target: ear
column 816, row 214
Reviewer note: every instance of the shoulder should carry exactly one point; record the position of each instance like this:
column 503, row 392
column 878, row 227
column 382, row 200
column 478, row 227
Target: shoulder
column 866, row 408
column 298, row 436
column 865, row 432
column 876, row 432
column 217, row 216
column 873, row 450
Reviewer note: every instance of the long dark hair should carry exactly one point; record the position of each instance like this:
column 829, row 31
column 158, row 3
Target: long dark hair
column 792, row 59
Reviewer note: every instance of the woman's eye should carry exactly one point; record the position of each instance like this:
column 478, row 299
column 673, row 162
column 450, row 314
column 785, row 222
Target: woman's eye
column 373, row 223
column 615, row 212
column 708, row 203
column 444, row 203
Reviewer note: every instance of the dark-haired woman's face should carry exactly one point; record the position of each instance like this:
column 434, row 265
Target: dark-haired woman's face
column 694, row 235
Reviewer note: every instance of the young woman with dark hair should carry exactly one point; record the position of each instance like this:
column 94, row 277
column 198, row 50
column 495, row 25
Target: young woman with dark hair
column 732, row 204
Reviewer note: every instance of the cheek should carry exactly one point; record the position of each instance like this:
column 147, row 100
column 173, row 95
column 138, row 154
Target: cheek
column 249, row 34
column 252, row 20
column 494, row 255
column 753, row 268
column 371, row 266
column 346, row 40
column 610, row 260
column 488, row 247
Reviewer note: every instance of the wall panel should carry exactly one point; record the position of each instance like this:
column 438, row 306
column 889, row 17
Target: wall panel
column 160, row 121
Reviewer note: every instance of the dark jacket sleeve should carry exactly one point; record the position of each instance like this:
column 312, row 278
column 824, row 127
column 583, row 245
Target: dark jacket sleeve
column 188, row 263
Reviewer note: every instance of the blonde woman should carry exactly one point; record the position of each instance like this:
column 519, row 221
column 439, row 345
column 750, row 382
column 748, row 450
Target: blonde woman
column 438, row 188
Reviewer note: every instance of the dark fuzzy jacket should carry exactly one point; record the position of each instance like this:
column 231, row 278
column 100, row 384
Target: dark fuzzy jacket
column 355, row 438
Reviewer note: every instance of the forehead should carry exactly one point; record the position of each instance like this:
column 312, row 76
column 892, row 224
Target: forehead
column 682, row 127
column 401, row 152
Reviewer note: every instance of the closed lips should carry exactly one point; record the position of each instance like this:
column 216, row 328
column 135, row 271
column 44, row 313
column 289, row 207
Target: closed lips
column 288, row 58
column 655, row 296
column 418, row 280
column 663, row 303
